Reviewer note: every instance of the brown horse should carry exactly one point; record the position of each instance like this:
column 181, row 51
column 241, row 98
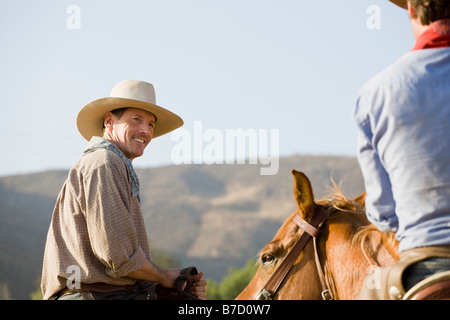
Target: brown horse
column 348, row 249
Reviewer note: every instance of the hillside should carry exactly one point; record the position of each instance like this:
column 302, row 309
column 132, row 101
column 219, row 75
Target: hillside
column 211, row 216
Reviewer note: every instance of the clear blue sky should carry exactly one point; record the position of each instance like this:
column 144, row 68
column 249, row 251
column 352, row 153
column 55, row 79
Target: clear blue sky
column 291, row 65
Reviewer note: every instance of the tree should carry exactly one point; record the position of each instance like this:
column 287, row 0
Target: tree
column 233, row 283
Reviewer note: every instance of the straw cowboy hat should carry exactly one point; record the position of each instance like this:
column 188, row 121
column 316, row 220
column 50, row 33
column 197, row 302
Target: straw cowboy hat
column 131, row 94
column 400, row 3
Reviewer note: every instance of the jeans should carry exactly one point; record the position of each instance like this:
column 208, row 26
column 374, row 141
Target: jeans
column 423, row 269
column 71, row 296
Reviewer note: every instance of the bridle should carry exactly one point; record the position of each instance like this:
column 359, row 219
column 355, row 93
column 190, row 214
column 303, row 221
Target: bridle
column 309, row 230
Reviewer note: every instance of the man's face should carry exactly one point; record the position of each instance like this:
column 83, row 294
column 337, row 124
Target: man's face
column 132, row 132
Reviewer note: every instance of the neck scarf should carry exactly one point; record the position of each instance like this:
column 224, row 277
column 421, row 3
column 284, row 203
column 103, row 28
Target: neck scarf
column 97, row 143
column 436, row 36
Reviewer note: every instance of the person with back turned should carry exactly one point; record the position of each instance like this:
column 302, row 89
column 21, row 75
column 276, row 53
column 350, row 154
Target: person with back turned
column 403, row 122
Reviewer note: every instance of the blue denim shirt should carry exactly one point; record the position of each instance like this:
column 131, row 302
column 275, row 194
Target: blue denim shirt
column 403, row 121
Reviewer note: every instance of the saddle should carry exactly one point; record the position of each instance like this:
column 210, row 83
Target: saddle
column 391, row 287
column 435, row 287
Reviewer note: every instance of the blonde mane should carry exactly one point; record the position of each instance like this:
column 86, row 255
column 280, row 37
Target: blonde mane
column 339, row 201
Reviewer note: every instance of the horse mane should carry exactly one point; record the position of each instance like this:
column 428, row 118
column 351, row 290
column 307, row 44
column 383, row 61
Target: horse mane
column 387, row 239
column 340, row 202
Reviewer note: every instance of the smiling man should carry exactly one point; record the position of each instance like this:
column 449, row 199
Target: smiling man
column 97, row 246
column 130, row 129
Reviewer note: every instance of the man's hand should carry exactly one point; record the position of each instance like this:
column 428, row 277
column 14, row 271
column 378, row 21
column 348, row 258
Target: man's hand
column 167, row 277
column 198, row 288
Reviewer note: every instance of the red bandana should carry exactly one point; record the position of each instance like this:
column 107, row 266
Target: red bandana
column 436, row 36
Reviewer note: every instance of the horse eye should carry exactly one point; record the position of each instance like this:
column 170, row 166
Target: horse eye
column 267, row 258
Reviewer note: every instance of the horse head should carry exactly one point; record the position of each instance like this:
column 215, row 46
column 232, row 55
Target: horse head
column 339, row 258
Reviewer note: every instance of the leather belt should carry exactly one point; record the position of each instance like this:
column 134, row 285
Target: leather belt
column 99, row 287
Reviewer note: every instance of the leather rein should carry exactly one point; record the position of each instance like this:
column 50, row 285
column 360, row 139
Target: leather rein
column 309, row 231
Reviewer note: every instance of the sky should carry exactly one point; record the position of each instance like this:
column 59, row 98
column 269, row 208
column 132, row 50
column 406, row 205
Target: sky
column 293, row 67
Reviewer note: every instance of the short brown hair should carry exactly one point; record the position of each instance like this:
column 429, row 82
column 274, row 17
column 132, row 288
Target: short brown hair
column 429, row 11
column 117, row 113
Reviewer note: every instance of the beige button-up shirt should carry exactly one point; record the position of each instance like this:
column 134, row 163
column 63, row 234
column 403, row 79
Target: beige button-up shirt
column 97, row 233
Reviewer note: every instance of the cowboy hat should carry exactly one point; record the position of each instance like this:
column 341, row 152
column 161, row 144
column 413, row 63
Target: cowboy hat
column 400, row 3
column 126, row 94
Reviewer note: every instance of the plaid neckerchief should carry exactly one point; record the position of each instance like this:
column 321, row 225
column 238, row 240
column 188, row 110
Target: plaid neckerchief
column 97, row 143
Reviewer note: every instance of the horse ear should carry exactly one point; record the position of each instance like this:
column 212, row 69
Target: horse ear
column 361, row 200
column 303, row 195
